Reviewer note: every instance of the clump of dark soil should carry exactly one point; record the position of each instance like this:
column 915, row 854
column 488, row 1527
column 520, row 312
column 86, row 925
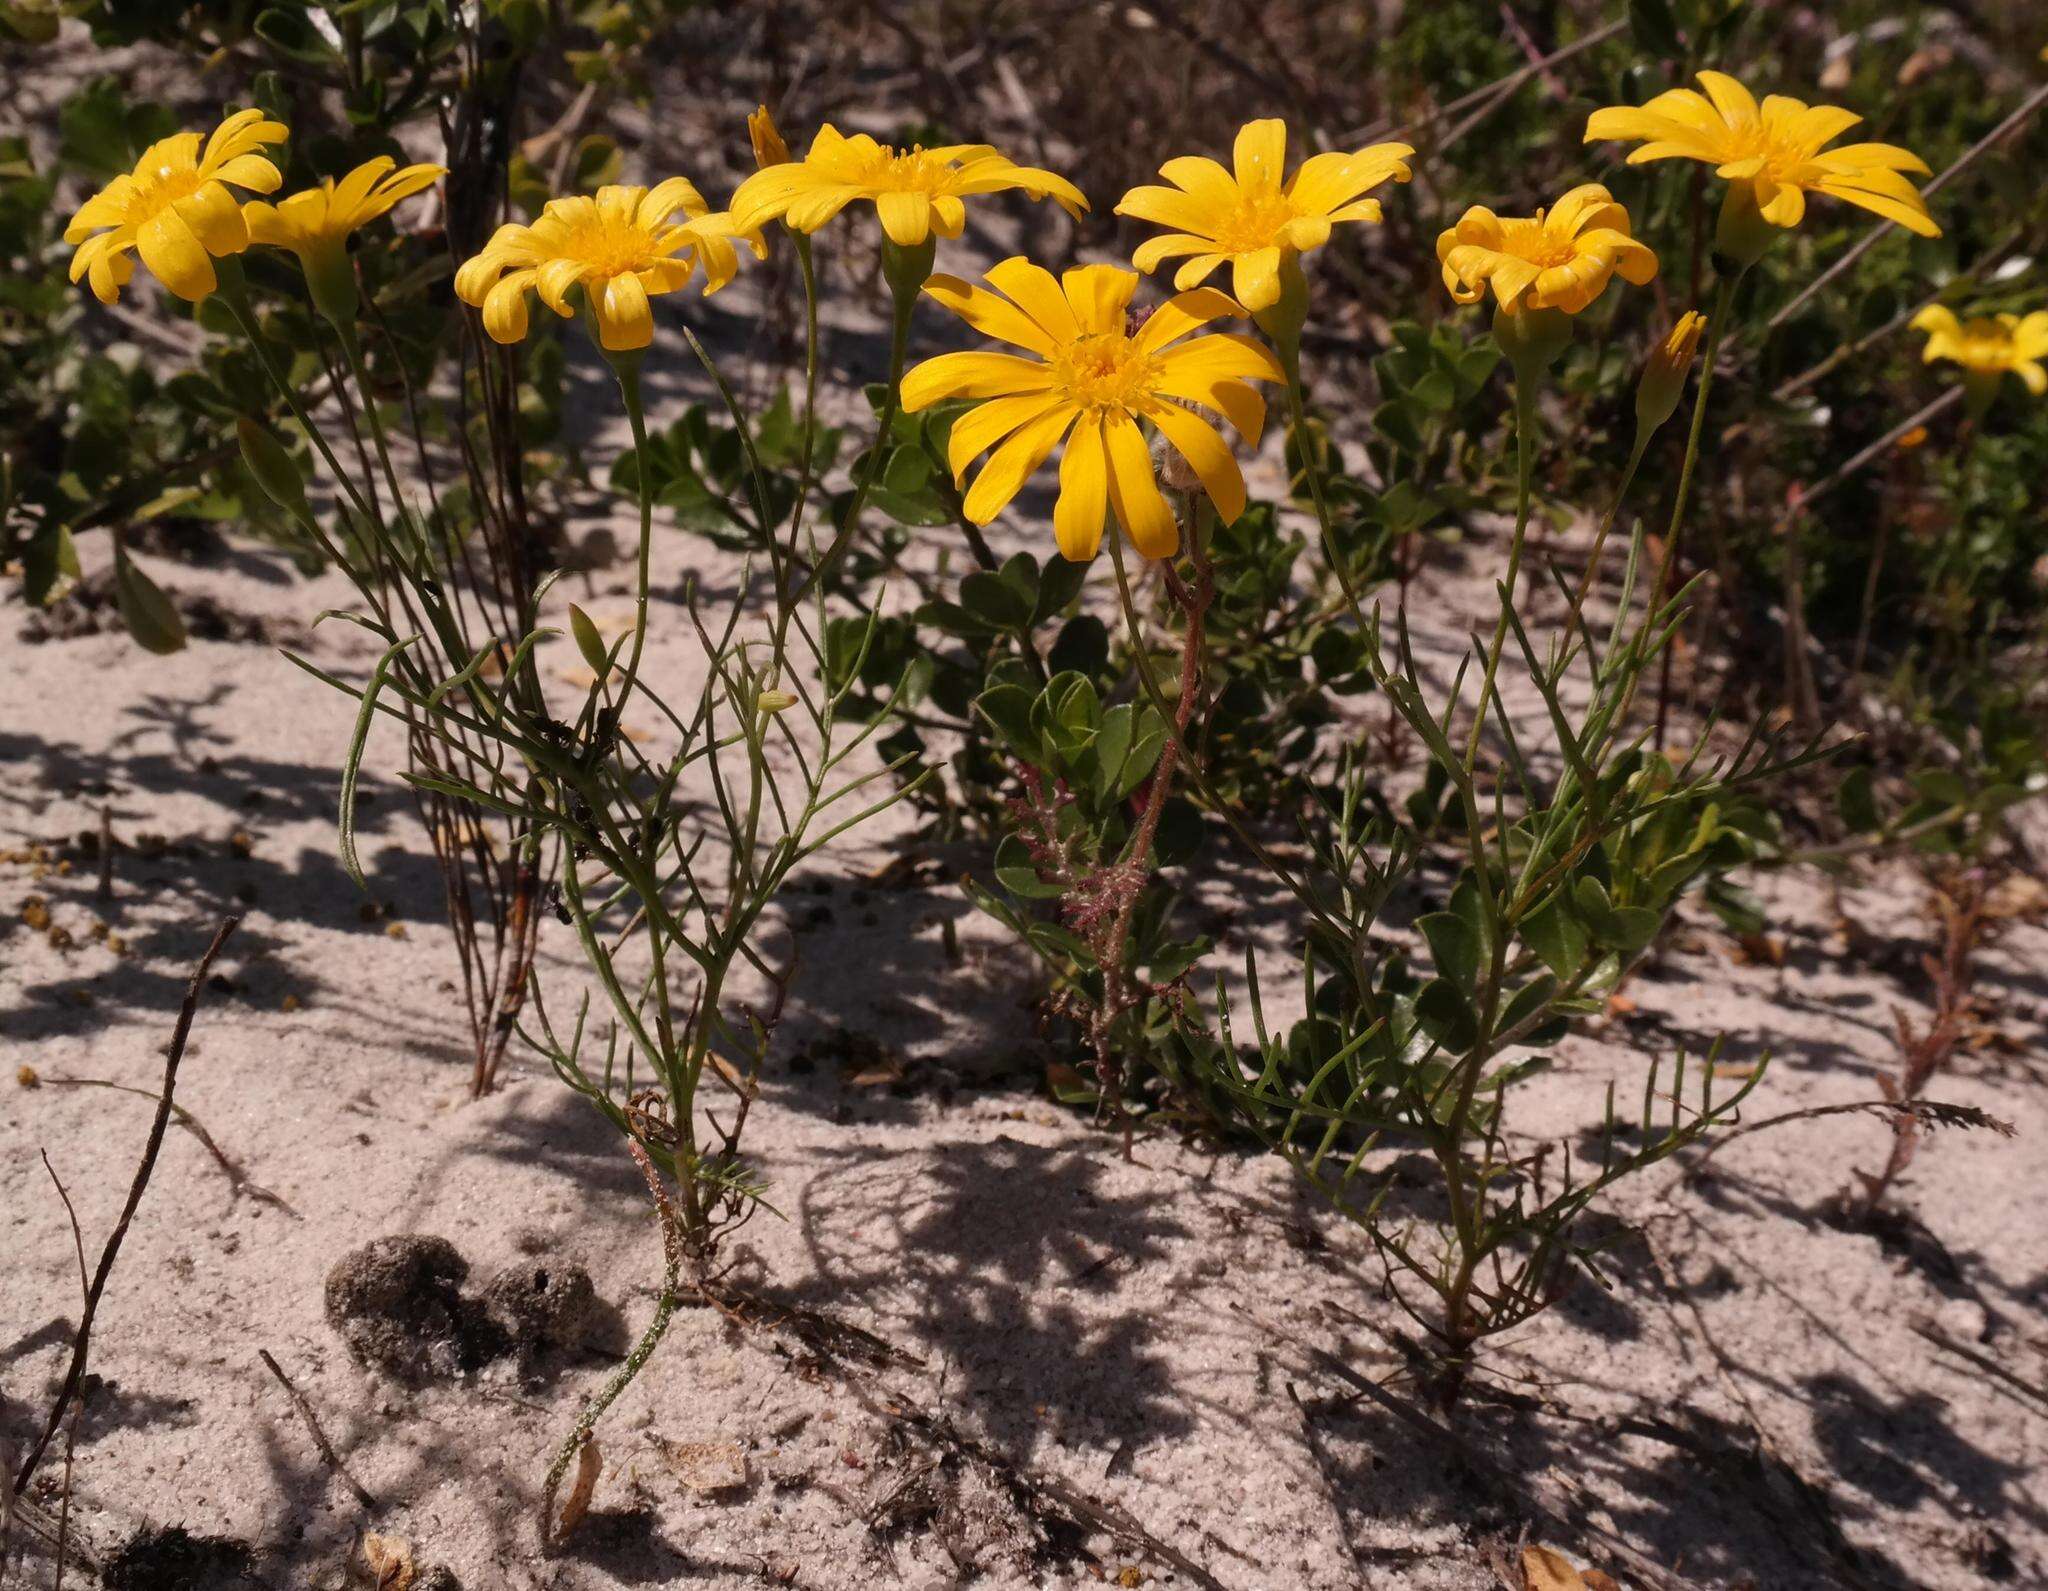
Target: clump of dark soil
column 545, row 1306
column 398, row 1303
column 173, row 1559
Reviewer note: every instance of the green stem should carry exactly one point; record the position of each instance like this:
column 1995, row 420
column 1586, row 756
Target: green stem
column 807, row 474
column 1724, row 300
column 359, row 371
column 235, row 296
column 899, row 349
column 1525, row 450
column 628, row 372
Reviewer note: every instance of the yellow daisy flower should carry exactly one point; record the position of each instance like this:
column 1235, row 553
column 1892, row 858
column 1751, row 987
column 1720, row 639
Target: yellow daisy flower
column 1989, row 346
column 1561, row 258
column 1253, row 218
column 315, row 224
column 621, row 247
column 916, row 191
column 174, row 209
column 1093, row 375
column 1774, row 152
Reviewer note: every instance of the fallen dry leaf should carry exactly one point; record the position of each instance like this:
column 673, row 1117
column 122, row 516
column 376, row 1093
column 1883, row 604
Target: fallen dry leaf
column 390, row 1561
column 1758, row 950
column 589, row 1464
column 1544, row 1570
column 707, row 1467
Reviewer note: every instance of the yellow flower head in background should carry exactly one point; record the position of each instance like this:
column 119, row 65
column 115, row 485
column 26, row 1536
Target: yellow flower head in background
column 916, row 191
column 319, row 220
column 1251, row 217
column 1090, row 377
column 1775, row 151
column 1989, row 346
column 621, row 247
column 174, row 209
column 1561, row 258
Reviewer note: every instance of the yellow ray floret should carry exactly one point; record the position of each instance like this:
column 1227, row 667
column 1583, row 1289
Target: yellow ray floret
column 174, row 209
column 916, row 191
column 1778, row 149
column 621, row 247
column 1992, row 345
column 1560, row 258
column 1089, row 373
column 1249, row 216
column 319, row 220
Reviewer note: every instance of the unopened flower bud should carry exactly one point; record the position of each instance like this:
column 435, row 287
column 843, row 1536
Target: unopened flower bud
column 774, row 701
column 769, row 149
column 1670, row 362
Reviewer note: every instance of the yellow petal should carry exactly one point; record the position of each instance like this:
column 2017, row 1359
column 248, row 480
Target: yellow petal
column 1181, row 314
column 1912, row 215
column 1260, row 154
column 108, row 207
column 1133, row 490
column 665, row 198
column 553, row 281
column 1098, row 295
column 1221, row 355
column 990, row 315
column 175, row 256
column 1238, row 401
column 624, row 319
column 215, row 219
column 1084, row 492
column 1012, row 464
column 254, row 172
column 984, row 426
column 1169, row 207
column 906, row 217
column 1255, row 278
column 1735, row 103
column 505, row 307
column 972, row 375
column 1036, row 291
column 1156, row 251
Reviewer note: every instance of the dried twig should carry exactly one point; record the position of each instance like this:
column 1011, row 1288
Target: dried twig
column 71, row 1427
column 1922, row 1112
column 312, row 1423
column 81, row 1344
column 238, row 1179
column 2038, row 1395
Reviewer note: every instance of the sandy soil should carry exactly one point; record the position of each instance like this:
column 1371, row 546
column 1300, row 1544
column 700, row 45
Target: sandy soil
column 1762, row 1398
